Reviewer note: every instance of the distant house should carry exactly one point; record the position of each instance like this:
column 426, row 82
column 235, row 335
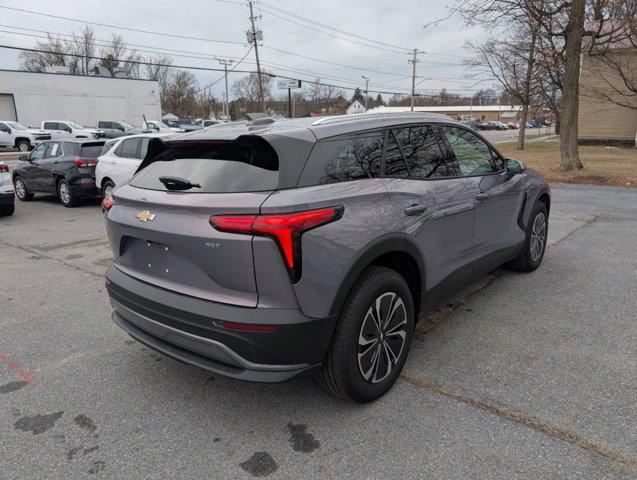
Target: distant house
column 601, row 119
column 355, row 107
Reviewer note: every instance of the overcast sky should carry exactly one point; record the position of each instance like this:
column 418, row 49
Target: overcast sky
column 397, row 23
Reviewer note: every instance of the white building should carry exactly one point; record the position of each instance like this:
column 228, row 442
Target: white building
column 30, row 97
column 355, row 107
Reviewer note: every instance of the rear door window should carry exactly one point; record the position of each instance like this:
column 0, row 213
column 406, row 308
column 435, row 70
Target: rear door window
column 247, row 164
column 421, row 152
column 344, row 158
column 91, row 150
column 51, row 126
column 54, row 150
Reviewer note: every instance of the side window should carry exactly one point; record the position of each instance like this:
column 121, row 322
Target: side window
column 104, row 125
column 38, row 152
column 473, row 155
column 395, row 165
column 54, row 150
column 51, row 126
column 344, row 158
column 421, row 151
column 3, row 126
column 129, row 148
column 143, row 147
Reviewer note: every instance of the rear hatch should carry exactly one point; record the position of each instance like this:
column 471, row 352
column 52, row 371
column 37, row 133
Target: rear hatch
column 88, row 153
column 160, row 225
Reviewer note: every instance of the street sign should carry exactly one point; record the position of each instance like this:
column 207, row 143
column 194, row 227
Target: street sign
column 285, row 84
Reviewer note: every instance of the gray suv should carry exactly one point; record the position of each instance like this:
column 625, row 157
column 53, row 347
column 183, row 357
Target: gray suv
column 262, row 249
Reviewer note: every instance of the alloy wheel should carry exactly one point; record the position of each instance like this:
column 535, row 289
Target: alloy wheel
column 538, row 236
column 23, row 147
column 65, row 194
column 382, row 337
column 108, row 190
column 20, row 189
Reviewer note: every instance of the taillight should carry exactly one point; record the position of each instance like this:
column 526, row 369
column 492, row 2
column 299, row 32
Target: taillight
column 83, row 162
column 285, row 229
column 107, row 203
column 4, row 167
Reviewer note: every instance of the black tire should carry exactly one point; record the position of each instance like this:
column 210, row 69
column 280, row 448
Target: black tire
column 105, row 186
column 22, row 192
column 23, row 145
column 531, row 256
column 342, row 371
column 65, row 194
column 7, row 210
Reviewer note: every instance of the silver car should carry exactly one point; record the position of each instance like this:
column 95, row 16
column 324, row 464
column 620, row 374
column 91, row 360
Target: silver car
column 266, row 249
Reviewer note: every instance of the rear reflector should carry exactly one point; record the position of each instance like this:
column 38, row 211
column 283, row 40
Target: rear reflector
column 246, row 327
column 285, row 229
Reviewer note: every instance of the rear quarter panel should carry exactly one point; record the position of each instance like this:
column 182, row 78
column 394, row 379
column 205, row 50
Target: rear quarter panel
column 330, row 251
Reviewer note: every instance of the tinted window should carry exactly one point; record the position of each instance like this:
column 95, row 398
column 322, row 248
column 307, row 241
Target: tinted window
column 344, row 158
column 395, row 165
column 38, row 152
column 51, row 126
column 107, row 146
column 103, row 124
column 248, row 164
column 129, row 148
column 91, row 150
column 472, row 154
column 421, row 151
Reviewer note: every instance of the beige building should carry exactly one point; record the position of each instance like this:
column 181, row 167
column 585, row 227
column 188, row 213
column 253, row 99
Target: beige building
column 601, row 88
column 502, row 113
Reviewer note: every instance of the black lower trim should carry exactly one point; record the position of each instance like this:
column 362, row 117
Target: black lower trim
column 7, row 198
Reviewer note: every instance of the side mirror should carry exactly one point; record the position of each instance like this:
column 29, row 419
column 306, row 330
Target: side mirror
column 514, row 166
column 24, row 158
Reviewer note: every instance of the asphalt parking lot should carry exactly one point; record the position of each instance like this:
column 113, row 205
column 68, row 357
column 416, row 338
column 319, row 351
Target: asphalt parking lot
column 518, row 376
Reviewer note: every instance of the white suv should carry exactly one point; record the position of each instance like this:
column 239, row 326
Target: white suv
column 119, row 160
column 16, row 135
column 65, row 130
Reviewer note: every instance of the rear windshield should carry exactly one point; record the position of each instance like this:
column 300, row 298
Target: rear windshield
column 92, row 150
column 248, row 164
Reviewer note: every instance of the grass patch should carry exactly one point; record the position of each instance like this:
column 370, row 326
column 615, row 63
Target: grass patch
column 615, row 166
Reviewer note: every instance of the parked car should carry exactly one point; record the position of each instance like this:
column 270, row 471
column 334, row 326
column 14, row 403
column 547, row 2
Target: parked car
column 496, row 125
column 161, row 127
column 65, row 168
column 119, row 129
column 119, row 160
column 531, row 124
column 210, row 123
column 264, row 251
column 512, row 125
column 66, row 130
column 185, row 124
column 7, row 196
column 16, row 135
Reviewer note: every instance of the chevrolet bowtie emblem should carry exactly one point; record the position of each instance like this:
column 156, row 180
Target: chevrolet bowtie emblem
column 145, row 216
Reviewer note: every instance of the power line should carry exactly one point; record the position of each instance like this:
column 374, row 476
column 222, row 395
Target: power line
column 129, row 29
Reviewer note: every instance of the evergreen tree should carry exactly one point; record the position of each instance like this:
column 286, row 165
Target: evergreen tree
column 358, row 95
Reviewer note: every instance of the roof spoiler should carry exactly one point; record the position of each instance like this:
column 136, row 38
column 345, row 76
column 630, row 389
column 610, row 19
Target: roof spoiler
column 257, row 118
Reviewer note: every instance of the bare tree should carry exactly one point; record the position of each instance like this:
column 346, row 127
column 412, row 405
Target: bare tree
column 158, row 68
column 178, row 93
column 82, row 48
column 53, row 54
column 247, row 90
column 207, row 105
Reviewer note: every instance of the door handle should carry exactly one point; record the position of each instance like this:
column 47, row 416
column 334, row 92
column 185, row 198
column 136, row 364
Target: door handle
column 416, row 210
column 481, row 197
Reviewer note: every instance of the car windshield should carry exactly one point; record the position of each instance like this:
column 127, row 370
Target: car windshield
column 76, row 126
column 127, row 125
column 16, row 125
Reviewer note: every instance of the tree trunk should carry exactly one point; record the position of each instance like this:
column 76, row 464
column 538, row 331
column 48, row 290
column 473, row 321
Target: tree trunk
column 570, row 91
column 527, row 88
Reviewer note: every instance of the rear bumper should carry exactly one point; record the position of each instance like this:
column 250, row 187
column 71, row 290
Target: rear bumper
column 7, row 198
column 185, row 328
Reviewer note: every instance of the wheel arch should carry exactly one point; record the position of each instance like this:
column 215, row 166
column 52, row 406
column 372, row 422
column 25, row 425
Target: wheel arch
column 20, row 139
column 392, row 251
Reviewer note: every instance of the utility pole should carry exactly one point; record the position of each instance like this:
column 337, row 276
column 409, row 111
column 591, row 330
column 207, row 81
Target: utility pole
column 226, row 107
column 254, row 35
column 366, row 89
column 413, row 76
